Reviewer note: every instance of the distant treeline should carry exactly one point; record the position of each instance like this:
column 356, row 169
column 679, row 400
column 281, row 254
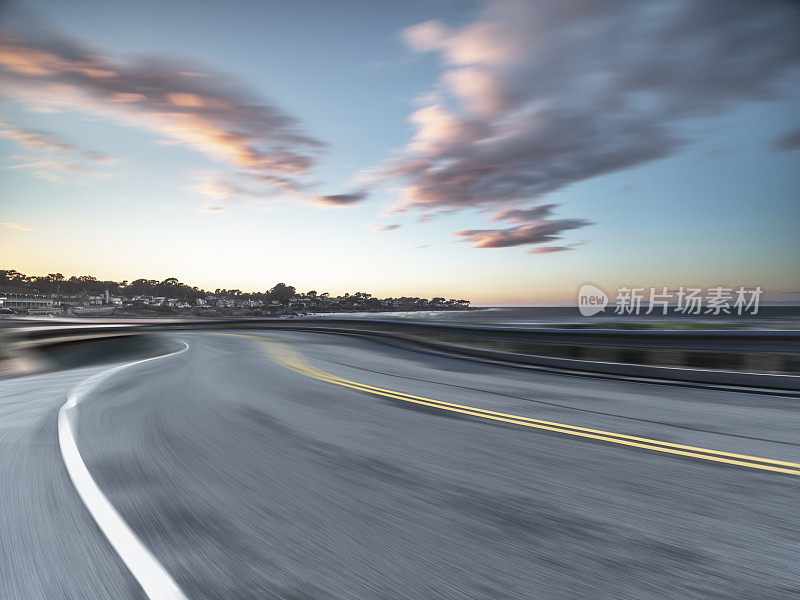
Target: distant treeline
column 56, row 283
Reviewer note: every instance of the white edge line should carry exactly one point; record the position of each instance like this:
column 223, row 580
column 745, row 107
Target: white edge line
column 153, row 578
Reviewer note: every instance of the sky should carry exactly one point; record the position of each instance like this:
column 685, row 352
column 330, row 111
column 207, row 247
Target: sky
column 504, row 152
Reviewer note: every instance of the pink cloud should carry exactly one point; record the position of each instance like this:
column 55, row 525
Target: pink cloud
column 58, row 160
column 521, row 235
column 17, row 226
column 381, row 228
column 552, row 249
column 211, row 113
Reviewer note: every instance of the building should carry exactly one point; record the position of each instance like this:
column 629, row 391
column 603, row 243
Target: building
column 113, row 300
column 17, row 298
column 80, row 299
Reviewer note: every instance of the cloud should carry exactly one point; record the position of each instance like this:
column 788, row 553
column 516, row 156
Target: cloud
column 43, row 140
column 787, row 142
column 425, row 36
column 32, row 139
column 630, row 186
column 209, row 112
column 552, row 249
column 224, row 192
column 524, row 215
column 533, row 228
column 521, row 235
column 381, row 228
column 18, row 226
column 340, row 200
column 58, row 160
column 52, row 169
column 536, row 96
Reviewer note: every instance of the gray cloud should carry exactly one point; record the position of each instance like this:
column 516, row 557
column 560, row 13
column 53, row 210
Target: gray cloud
column 630, row 186
column 521, row 235
column 340, row 200
column 518, row 215
column 787, row 142
column 537, row 96
column 552, row 249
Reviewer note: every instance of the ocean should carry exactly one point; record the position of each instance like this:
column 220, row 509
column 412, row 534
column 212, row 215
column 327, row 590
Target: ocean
column 771, row 316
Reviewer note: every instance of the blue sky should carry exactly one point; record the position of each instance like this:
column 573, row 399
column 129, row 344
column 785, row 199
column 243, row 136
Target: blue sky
column 666, row 183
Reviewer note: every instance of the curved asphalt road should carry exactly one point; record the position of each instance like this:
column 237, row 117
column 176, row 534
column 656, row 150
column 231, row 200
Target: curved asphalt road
column 248, row 479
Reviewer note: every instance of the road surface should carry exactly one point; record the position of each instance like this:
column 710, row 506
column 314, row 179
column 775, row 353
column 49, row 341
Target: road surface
column 314, row 466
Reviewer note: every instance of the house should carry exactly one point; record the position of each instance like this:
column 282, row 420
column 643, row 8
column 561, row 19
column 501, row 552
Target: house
column 112, row 300
column 17, row 298
column 79, row 299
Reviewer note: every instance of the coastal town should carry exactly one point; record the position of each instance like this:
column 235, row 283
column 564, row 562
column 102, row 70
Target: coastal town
column 85, row 295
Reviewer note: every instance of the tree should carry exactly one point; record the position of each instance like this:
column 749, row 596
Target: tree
column 172, row 288
column 141, row 287
column 282, row 293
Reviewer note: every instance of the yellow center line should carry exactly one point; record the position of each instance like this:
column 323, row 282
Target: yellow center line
column 442, row 404
column 286, row 356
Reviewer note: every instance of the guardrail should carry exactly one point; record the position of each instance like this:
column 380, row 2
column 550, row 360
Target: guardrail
column 27, row 351
column 763, row 359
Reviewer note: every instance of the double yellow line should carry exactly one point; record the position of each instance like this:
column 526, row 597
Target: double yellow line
column 286, row 356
